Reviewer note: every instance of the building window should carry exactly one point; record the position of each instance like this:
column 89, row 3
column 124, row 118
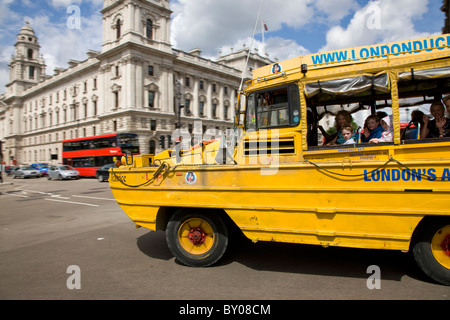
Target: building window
column 114, row 125
column 201, row 107
column 151, row 99
column 214, row 110
column 117, row 71
column 149, row 29
column 85, row 110
column 152, row 147
column 187, row 107
column 150, row 71
column 118, row 29
column 225, row 112
column 30, row 53
column 214, row 87
column 116, row 99
column 201, row 85
column 153, row 125
column 187, row 82
column 31, row 72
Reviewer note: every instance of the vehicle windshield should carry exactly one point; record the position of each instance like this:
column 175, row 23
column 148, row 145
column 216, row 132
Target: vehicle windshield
column 27, row 168
column 64, row 168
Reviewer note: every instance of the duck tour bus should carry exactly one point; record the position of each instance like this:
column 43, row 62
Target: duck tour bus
column 345, row 148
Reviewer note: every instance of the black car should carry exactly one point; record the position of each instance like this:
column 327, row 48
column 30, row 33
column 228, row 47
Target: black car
column 102, row 173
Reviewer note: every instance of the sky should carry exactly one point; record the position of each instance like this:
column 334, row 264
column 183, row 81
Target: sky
column 217, row 27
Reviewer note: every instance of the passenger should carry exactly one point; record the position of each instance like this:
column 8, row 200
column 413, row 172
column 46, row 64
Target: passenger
column 343, row 118
column 387, row 134
column 446, row 101
column 438, row 127
column 381, row 114
column 417, row 121
column 372, row 129
column 347, row 133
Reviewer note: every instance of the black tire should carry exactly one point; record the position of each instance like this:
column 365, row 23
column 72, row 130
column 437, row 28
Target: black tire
column 425, row 249
column 214, row 236
column 100, row 178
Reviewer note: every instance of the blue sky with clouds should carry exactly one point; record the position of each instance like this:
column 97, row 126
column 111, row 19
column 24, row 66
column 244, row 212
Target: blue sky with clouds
column 218, row 26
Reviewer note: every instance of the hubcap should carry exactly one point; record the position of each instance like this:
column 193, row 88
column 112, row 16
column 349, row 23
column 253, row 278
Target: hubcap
column 440, row 246
column 196, row 236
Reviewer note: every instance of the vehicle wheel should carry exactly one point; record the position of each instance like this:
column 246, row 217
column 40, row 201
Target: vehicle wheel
column 432, row 249
column 60, row 177
column 100, row 178
column 49, row 178
column 196, row 238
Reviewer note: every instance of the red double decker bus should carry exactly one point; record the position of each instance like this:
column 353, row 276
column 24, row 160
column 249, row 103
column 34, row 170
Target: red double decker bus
column 90, row 153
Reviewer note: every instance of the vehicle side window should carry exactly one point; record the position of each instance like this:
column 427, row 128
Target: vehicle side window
column 274, row 108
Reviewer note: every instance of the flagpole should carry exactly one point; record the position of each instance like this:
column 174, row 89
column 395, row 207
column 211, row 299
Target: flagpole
column 251, row 45
column 262, row 30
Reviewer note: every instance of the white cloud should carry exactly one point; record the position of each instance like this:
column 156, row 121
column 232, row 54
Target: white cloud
column 210, row 24
column 379, row 21
column 274, row 47
column 64, row 3
column 59, row 43
column 335, row 10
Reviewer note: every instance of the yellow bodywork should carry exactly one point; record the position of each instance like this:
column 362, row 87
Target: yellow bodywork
column 368, row 196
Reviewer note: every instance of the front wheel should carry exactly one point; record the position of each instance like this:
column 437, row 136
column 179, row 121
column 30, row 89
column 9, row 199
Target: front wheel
column 432, row 250
column 197, row 238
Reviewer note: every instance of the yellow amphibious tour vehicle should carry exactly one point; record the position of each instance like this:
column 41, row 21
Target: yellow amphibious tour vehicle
column 282, row 177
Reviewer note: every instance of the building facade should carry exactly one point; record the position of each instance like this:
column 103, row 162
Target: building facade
column 136, row 83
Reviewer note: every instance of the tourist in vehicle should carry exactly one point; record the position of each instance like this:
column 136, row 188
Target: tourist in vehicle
column 438, row 127
column 417, row 122
column 347, row 133
column 372, row 129
column 446, row 102
column 343, row 118
column 387, row 134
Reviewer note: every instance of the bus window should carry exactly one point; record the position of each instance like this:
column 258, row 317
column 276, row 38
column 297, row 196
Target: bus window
column 274, row 108
column 351, row 103
column 419, row 90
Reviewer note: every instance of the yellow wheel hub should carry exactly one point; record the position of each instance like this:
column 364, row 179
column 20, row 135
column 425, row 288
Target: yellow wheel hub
column 196, row 236
column 440, row 246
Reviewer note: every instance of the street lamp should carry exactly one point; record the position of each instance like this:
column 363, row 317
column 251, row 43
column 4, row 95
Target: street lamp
column 179, row 95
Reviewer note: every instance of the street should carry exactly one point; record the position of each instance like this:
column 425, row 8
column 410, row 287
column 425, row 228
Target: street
column 48, row 229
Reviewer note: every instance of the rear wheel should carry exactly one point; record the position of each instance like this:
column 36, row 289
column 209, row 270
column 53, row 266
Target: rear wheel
column 196, row 238
column 432, row 250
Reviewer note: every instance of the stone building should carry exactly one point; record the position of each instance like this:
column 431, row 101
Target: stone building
column 135, row 84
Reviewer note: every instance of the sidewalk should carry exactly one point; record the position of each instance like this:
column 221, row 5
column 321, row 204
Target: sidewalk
column 6, row 186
